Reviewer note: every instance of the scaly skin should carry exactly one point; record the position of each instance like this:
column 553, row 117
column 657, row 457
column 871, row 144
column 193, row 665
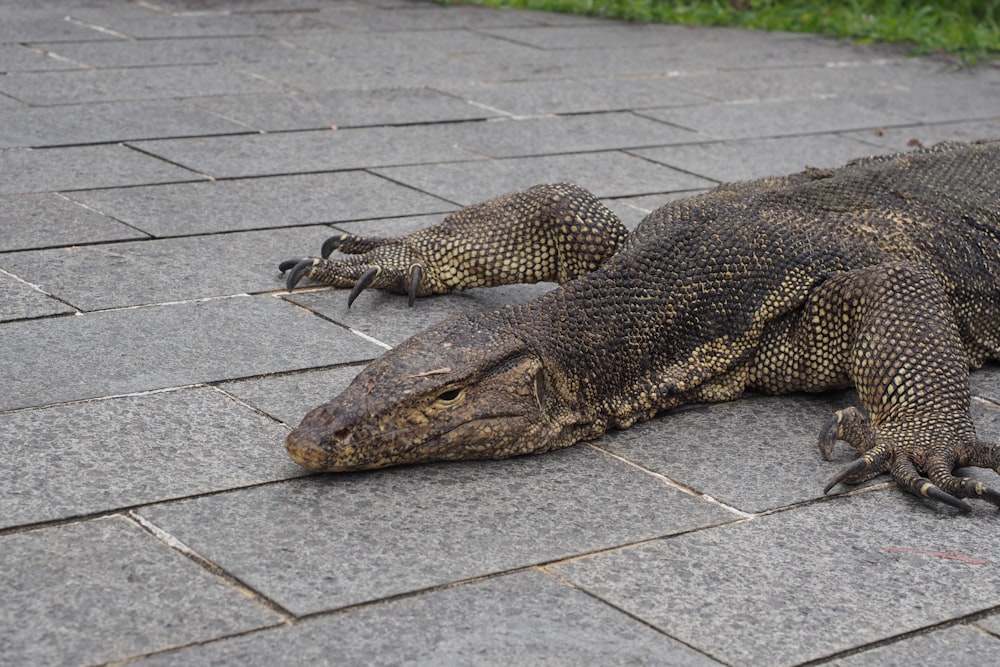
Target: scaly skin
column 884, row 275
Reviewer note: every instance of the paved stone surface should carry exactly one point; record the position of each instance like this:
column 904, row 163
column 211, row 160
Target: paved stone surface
column 497, row 621
column 336, row 541
column 160, row 158
column 107, row 590
column 799, row 585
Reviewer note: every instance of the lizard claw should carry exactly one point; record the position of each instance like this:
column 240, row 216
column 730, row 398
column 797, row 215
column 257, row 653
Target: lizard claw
column 298, row 268
column 366, row 279
column 416, row 273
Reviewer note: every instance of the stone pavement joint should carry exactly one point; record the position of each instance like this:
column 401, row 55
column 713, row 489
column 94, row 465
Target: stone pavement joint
column 158, row 160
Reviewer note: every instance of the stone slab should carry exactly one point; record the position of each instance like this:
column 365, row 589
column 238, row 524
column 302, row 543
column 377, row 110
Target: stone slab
column 606, row 174
column 358, row 108
column 562, row 134
column 892, row 139
column 958, row 646
column 304, row 152
column 797, row 586
column 773, row 118
column 107, row 122
column 82, row 458
column 104, row 590
column 635, row 35
column 259, row 203
column 19, row 300
column 812, row 82
column 107, row 85
column 134, row 350
column 967, row 98
column 756, row 158
column 430, row 17
column 408, row 43
column 523, row 98
column 342, row 539
column 46, row 220
column 990, row 624
column 19, row 58
column 144, row 272
column 148, row 22
column 525, row 618
column 289, row 397
column 361, row 72
column 174, row 51
column 756, row 454
column 386, row 317
column 985, row 383
column 23, row 24
column 48, row 169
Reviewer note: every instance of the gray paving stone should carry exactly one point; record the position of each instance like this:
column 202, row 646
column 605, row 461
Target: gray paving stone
column 126, row 351
column 986, row 383
column 959, row 646
column 574, row 96
column 38, row 24
column 19, row 300
column 408, row 42
column 75, row 168
column 386, row 317
column 530, row 64
column 390, row 226
column 755, row 454
column 755, row 158
column 97, row 456
column 967, row 98
column 104, row 123
column 148, row 23
column 104, row 590
column 606, row 174
column 905, row 138
column 363, row 72
column 427, row 17
column 774, row 118
column 174, row 51
column 618, row 34
column 197, row 208
column 525, row 618
column 302, row 152
column 791, row 83
column 546, row 136
column 990, row 624
column 107, row 85
column 135, row 273
column 289, row 397
column 359, row 108
column 336, row 540
column 797, row 586
column 42, row 220
column 19, row 58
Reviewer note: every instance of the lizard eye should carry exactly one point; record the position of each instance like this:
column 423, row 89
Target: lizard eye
column 450, row 396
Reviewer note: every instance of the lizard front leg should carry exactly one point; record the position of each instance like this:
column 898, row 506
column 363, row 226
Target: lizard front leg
column 888, row 330
column 546, row 233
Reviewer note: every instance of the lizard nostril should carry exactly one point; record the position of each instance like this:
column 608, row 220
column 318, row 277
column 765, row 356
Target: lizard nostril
column 341, row 434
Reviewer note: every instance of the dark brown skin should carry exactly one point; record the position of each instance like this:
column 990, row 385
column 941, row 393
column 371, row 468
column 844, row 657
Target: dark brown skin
column 884, row 275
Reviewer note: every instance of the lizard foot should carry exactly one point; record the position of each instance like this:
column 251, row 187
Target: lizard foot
column 388, row 264
column 920, row 460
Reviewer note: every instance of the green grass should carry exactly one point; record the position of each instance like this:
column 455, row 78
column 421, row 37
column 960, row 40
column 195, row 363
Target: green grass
column 968, row 29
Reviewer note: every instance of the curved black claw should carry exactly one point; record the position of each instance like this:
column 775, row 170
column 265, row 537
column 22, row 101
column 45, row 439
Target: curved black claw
column 299, row 269
column 991, row 495
column 416, row 273
column 828, row 437
column 364, row 281
column 330, row 245
column 287, row 264
column 856, row 466
column 928, row 490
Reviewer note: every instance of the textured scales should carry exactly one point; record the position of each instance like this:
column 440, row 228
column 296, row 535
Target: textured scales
column 883, row 274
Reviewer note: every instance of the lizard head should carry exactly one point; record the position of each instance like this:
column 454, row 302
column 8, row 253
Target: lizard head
column 457, row 391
